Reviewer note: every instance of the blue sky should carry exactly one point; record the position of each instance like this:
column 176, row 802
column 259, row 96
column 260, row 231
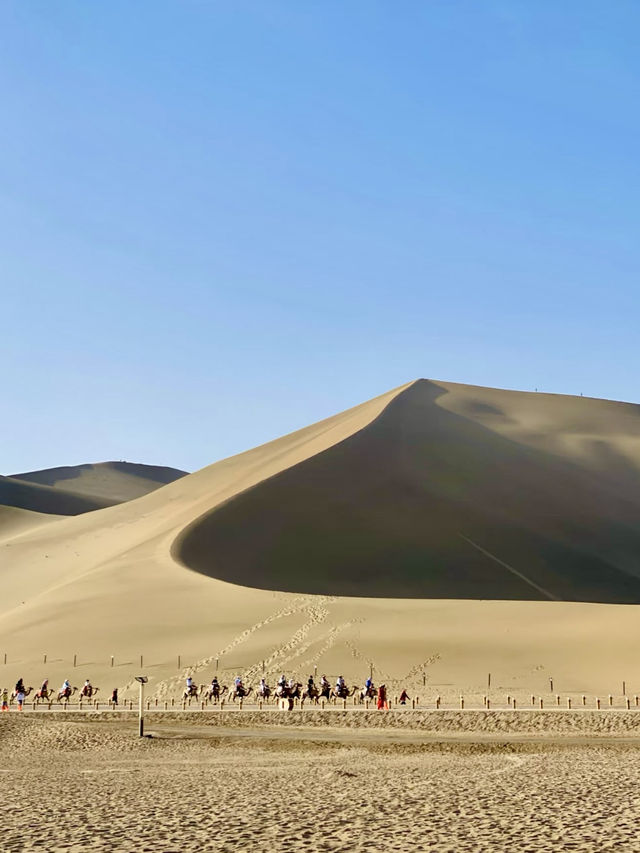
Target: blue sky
column 223, row 221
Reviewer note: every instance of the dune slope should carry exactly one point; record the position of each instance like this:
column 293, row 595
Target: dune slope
column 430, row 503
column 47, row 499
column 109, row 481
column 118, row 581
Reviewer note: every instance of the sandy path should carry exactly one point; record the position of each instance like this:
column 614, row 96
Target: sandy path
column 102, row 788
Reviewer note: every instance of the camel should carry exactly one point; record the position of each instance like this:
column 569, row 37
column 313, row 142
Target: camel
column 364, row 694
column 192, row 692
column 65, row 695
column 313, row 694
column 263, row 694
column 45, row 695
column 240, row 693
column 26, row 692
column 214, row 694
column 344, row 693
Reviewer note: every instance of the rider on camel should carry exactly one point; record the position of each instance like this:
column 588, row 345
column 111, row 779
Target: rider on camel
column 19, row 686
column 66, row 688
column 44, row 687
column 310, row 685
column 87, row 690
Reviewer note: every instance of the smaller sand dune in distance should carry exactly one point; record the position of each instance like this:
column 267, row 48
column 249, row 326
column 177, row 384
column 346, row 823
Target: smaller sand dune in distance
column 47, row 499
column 75, row 489
column 111, row 481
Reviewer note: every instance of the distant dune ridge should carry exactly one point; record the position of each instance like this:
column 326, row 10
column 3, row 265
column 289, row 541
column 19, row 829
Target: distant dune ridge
column 74, row 489
column 466, row 529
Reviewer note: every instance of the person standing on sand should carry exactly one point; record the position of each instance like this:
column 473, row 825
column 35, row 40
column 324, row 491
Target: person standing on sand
column 404, row 696
column 382, row 698
column 5, row 699
column 114, row 696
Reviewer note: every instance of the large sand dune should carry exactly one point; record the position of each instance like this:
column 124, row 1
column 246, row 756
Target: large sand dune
column 426, row 502
column 444, row 508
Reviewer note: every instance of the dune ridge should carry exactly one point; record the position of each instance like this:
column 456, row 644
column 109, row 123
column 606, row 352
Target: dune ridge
column 93, row 486
column 132, row 578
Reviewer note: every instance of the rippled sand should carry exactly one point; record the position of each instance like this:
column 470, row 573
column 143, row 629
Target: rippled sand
column 94, row 786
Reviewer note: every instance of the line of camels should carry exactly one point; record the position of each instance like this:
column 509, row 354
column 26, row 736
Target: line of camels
column 60, row 696
column 215, row 693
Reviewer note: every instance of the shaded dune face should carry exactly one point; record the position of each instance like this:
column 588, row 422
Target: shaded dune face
column 427, row 503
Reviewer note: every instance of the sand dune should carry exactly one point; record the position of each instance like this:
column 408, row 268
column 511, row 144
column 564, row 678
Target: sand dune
column 105, row 482
column 430, row 493
column 14, row 520
column 430, row 502
column 47, row 499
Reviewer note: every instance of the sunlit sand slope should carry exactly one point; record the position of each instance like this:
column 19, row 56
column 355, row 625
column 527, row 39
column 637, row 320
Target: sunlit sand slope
column 500, row 495
column 486, row 470
column 14, row 520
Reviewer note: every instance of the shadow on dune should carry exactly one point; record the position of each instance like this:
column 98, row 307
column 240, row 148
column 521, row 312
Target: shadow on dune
column 425, row 503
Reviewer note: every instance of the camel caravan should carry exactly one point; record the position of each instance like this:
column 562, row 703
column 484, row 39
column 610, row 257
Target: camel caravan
column 286, row 693
column 288, row 690
column 46, row 694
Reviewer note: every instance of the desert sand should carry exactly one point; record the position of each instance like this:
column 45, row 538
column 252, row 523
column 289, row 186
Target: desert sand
column 95, row 786
column 437, row 533
column 74, row 489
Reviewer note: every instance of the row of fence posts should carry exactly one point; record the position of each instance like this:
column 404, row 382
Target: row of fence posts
column 112, row 659
column 511, row 703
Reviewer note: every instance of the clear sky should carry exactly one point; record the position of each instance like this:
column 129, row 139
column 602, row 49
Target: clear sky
column 221, row 221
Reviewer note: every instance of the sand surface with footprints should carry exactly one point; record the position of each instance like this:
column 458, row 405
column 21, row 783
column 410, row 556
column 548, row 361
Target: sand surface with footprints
column 96, row 786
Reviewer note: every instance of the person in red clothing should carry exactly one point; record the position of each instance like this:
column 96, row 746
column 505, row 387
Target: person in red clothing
column 382, row 698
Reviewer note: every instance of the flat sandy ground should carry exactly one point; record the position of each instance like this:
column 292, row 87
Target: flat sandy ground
column 90, row 785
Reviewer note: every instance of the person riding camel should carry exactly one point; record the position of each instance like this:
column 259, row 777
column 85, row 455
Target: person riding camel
column 215, row 687
column 340, row 685
column 86, row 688
column 44, row 688
column 65, row 690
column 282, row 680
column 19, row 686
column 310, row 685
column 263, row 687
column 189, row 685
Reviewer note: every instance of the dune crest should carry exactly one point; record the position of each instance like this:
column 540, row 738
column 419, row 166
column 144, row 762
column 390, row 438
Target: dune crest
column 437, row 526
